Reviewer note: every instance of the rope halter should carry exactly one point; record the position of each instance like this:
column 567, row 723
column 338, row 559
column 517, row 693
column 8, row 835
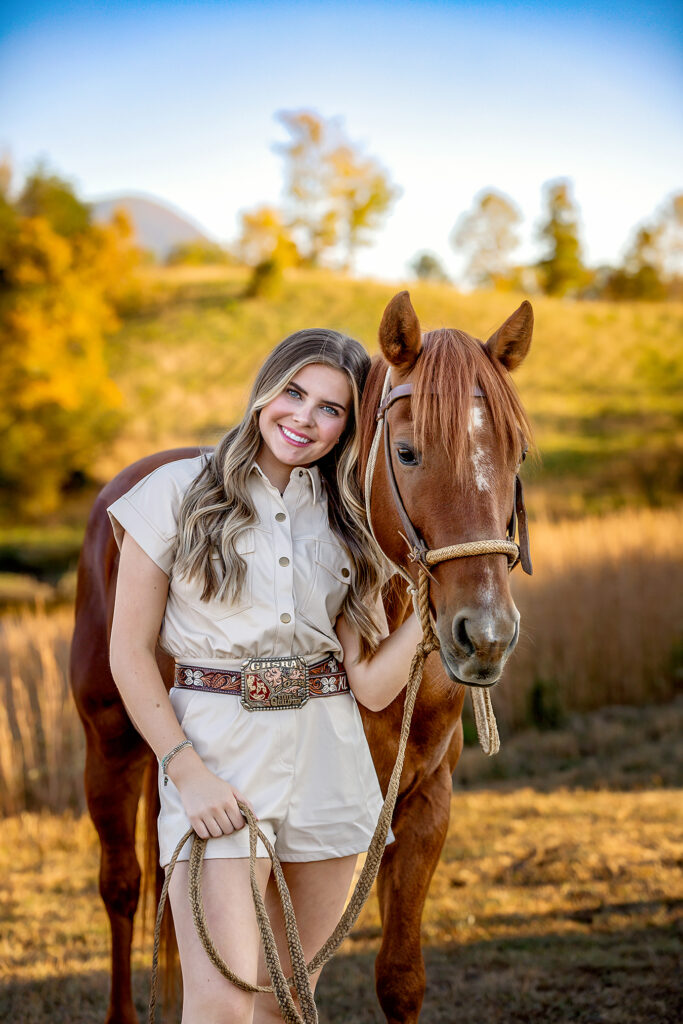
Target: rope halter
column 419, row 553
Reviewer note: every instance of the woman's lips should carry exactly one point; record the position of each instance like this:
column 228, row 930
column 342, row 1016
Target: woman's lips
column 293, row 438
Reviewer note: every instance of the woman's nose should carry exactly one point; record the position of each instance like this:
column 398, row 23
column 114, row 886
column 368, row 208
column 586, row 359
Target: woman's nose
column 304, row 413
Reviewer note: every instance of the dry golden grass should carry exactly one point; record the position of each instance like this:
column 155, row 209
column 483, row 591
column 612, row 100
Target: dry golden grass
column 545, row 907
column 41, row 738
column 602, row 616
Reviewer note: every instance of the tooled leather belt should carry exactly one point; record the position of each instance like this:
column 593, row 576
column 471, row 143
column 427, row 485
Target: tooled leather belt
column 268, row 684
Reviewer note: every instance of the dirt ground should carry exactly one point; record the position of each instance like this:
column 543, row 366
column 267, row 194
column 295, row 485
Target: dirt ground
column 557, row 898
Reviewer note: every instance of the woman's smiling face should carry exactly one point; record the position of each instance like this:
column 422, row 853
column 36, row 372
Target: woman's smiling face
column 304, row 421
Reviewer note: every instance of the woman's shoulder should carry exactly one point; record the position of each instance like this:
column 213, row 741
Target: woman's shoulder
column 149, row 509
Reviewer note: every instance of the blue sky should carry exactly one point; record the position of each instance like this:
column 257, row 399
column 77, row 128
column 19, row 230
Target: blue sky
column 178, row 100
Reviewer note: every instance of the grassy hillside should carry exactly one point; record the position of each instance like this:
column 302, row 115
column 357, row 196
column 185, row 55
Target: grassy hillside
column 602, row 381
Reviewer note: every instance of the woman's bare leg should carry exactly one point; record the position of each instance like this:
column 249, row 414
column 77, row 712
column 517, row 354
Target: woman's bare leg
column 208, row 997
column 318, row 889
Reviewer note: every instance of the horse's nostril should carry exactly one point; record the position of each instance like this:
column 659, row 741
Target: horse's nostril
column 461, row 635
column 515, row 637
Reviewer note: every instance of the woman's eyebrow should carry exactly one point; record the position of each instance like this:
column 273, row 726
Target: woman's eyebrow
column 325, row 401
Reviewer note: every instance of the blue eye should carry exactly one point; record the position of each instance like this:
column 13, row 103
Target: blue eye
column 331, row 409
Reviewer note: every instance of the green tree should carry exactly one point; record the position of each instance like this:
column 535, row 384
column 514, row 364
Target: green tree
column 561, row 270
column 486, row 236
column 54, row 199
column 428, row 267
column 336, row 197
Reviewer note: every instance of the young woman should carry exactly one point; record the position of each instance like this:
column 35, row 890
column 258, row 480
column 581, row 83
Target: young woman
column 259, row 553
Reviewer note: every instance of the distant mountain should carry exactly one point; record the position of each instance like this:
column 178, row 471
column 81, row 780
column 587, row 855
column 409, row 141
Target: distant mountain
column 157, row 227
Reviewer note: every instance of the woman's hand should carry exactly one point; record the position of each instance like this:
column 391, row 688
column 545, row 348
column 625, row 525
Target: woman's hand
column 210, row 803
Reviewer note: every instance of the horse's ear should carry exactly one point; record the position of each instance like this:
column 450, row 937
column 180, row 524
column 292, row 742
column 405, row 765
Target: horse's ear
column 510, row 343
column 400, row 337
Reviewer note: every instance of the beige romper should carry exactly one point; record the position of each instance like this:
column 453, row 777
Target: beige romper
column 307, row 771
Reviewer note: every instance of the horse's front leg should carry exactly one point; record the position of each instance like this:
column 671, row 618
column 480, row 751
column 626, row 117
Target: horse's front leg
column 420, row 826
column 113, row 782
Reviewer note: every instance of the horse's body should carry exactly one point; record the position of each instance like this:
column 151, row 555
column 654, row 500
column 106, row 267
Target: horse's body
column 460, row 487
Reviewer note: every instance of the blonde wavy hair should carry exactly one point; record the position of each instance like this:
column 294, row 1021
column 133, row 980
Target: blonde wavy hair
column 217, row 507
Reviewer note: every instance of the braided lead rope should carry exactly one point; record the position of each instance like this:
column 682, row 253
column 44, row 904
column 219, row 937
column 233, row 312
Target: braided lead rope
column 488, row 738
column 280, row 984
column 485, row 720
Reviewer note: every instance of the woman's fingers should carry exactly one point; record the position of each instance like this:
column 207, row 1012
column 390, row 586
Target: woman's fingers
column 200, row 828
column 214, row 826
column 242, row 799
column 236, row 817
column 216, row 811
column 224, row 820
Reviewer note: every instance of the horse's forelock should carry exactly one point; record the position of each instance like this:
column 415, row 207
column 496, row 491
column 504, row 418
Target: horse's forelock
column 451, row 366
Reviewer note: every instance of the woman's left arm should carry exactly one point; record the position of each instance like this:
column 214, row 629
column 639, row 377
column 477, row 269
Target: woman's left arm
column 377, row 681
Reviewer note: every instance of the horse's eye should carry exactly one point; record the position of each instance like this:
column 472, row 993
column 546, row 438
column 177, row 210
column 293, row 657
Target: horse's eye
column 524, row 454
column 407, row 456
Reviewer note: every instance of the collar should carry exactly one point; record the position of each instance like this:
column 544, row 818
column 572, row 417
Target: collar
column 311, row 472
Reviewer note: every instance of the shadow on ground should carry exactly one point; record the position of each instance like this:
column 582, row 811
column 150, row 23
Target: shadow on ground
column 632, row 977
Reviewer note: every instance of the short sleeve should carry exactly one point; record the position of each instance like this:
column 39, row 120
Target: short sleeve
column 149, row 510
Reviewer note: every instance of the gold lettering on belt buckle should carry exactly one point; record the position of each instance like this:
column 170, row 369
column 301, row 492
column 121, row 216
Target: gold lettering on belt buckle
column 269, row 684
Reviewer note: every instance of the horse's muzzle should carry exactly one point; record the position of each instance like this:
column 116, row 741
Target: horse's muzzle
column 478, row 645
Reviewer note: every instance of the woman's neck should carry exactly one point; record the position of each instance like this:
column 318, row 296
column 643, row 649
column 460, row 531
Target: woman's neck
column 277, row 473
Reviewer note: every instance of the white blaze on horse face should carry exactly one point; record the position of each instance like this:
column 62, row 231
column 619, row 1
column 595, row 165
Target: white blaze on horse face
column 487, row 596
column 480, row 460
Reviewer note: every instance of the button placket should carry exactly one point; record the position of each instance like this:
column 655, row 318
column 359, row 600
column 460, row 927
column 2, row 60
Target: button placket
column 283, row 571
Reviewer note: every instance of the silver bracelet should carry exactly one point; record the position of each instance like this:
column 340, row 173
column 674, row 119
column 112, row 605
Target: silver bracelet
column 167, row 758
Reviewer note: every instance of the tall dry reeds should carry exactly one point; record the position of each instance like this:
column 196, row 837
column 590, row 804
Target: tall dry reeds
column 41, row 738
column 601, row 624
column 602, row 616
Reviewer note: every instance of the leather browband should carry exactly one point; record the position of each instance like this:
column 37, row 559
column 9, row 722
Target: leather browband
column 405, row 391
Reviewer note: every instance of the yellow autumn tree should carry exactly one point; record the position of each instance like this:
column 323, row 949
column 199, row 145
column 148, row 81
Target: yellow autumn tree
column 58, row 294
column 264, row 236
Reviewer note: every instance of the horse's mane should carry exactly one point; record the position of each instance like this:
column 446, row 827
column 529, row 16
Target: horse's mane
column 449, row 368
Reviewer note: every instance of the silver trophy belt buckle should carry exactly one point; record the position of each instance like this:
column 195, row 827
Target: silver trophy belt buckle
column 270, row 684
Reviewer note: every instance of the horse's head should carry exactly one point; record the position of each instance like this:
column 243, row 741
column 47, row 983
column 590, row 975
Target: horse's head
column 457, row 434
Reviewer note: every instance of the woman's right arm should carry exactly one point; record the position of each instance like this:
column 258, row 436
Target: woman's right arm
column 141, row 593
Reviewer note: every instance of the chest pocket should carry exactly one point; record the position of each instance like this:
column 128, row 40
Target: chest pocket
column 190, row 593
column 331, row 580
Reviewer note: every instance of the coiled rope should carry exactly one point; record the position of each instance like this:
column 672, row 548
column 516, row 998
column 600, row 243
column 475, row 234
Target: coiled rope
column 300, row 969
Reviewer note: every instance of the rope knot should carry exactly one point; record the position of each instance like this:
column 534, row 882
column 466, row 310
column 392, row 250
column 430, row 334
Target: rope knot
column 428, row 645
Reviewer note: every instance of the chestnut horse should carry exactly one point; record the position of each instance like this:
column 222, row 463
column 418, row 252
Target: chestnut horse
column 456, row 444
